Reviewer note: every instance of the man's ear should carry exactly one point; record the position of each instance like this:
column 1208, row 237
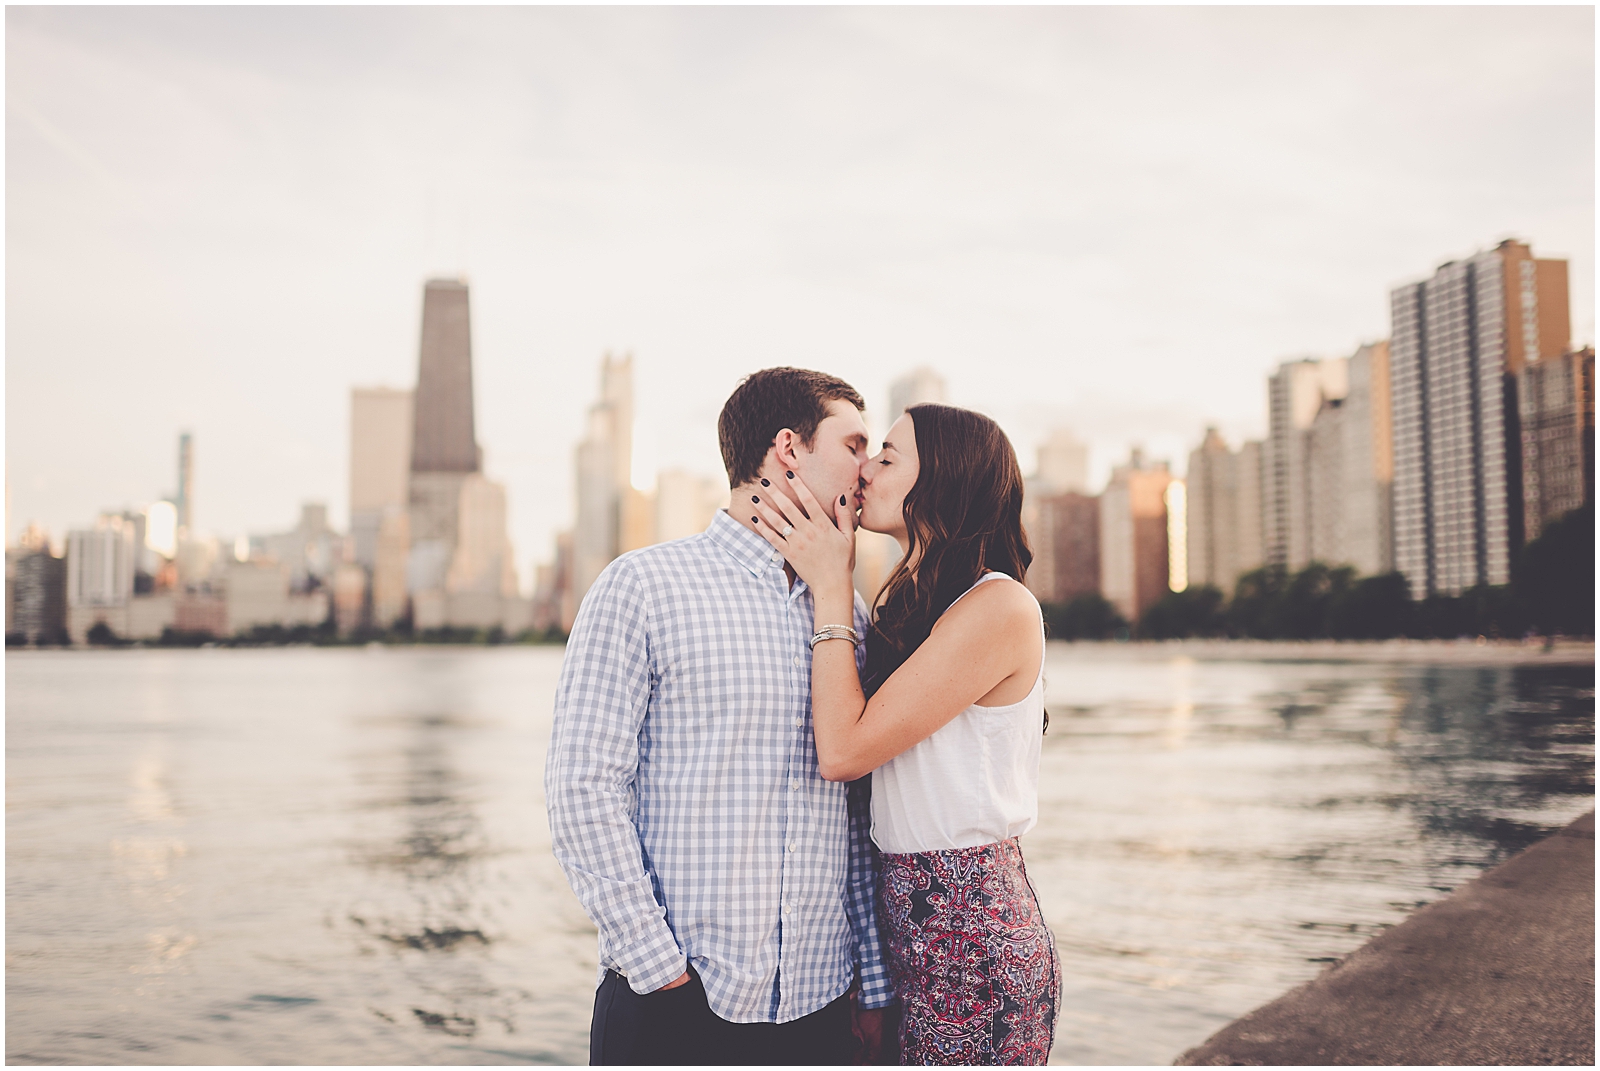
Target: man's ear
column 783, row 448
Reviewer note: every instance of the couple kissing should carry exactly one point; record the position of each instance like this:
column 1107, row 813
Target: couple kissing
column 798, row 851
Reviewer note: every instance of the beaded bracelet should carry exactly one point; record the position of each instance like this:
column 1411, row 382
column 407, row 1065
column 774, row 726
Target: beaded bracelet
column 835, row 632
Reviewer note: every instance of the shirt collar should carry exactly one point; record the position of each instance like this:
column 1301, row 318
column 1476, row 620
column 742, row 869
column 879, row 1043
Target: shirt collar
column 743, row 546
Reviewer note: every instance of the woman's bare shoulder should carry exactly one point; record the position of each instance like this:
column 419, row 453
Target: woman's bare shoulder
column 995, row 605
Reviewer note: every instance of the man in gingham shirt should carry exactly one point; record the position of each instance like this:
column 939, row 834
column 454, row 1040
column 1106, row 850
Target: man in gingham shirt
column 732, row 886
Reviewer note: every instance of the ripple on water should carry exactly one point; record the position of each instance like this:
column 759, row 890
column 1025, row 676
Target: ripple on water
column 304, row 856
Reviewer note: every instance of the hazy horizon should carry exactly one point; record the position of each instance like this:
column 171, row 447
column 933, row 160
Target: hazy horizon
column 1113, row 219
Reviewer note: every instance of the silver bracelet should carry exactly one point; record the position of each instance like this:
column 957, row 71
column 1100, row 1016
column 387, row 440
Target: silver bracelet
column 834, row 632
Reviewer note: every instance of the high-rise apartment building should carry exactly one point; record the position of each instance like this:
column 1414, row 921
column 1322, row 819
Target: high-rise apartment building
column 1295, row 394
column 1063, row 464
column 40, row 593
column 1350, row 470
column 1062, row 521
column 1223, row 512
column 921, row 384
column 101, row 562
column 311, row 550
column 1064, row 532
column 1555, row 397
column 1134, row 552
column 380, row 462
column 607, row 502
column 380, row 493
column 1459, row 340
column 685, row 503
column 553, row 604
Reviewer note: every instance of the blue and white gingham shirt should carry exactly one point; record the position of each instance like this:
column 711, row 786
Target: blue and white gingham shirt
column 682, row 786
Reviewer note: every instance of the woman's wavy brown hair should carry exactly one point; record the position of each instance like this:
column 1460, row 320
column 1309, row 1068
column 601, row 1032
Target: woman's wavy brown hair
column 964, row 517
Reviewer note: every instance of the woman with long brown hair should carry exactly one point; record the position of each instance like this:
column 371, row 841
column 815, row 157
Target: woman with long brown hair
column 948, row 723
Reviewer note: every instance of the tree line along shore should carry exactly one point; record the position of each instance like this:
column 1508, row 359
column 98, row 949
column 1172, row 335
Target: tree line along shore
column 1551, row 594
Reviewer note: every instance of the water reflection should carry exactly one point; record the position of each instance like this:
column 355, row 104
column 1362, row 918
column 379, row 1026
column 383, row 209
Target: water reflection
column 1213, row 833
column 340, row 857
column 426, row 905
column 1495, row 754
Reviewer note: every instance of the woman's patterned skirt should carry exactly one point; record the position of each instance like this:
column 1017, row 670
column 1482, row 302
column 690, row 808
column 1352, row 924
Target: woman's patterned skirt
column 972, row 961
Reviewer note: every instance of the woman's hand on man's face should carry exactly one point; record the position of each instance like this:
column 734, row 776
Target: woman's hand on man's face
column 822, row 545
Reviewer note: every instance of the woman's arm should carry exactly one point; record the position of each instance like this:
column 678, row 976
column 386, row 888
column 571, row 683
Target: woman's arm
column 980, row 642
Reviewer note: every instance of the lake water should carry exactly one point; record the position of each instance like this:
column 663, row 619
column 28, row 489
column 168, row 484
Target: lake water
column 340, row 856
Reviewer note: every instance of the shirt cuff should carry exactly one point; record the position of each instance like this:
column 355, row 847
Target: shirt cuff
column 650, row 966
column 876, row 992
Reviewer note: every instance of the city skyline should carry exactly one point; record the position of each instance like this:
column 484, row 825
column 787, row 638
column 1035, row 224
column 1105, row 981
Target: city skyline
column 222, row 258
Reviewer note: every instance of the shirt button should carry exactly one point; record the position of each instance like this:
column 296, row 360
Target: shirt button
column 799, row 723
column 797, row 660
column 788, row 909
column 791, row 845
column 794, row 783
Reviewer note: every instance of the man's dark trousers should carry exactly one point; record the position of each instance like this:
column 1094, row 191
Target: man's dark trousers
column 677, row 1026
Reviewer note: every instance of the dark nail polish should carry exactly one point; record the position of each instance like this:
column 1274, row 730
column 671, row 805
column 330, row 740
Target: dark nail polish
column 841, row 500
column 753, row 498
column 755, row 520
column 764, row 482
column 788, row 474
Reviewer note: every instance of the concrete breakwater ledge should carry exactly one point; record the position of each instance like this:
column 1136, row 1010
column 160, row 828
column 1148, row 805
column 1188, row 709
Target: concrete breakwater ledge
column 1499, row 972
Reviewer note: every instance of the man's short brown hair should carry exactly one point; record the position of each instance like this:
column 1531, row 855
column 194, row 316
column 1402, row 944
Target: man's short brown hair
column 766, row 402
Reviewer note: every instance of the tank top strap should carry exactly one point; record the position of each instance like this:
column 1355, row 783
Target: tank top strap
column 990, row 575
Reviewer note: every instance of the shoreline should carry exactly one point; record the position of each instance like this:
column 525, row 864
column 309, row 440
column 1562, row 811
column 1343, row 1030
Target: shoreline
column 1462, row 652
column 1474, row 652
column 1501, row 971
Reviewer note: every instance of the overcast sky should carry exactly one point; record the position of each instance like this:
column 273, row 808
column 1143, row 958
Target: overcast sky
column 1117, row 220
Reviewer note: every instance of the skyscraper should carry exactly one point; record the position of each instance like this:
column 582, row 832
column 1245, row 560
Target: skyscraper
column 1223, row 512
column 444, row 450
column 1556, row 399
column 1062, row 521
column 685, row 503
column 918, row 385
column 1295, row 394
column 1134, row 556
column 1063, row 464
column 606, row 499
column 459, row 571
column 444, row 437
column 185, row 501
column 1064, row 532
column 380, row 478
column 1459, row 339
column 1350, row 467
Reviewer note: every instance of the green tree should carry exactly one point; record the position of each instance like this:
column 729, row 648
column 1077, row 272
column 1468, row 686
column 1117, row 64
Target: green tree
column 1086, row 617
column 1554, row 575
column 101, row 634
column 1373, row 608
column 1256, row 605
column 1308, row 598
column 1195, row 611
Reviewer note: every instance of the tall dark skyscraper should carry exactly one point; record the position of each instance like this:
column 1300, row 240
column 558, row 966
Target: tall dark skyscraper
column 458, row 570
column 444, row 438
column 1458, row 341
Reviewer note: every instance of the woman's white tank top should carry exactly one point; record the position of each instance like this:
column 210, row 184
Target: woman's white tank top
column 975, row 781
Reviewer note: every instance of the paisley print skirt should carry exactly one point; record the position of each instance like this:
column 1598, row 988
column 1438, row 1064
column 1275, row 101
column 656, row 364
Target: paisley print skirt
column 972, row 961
